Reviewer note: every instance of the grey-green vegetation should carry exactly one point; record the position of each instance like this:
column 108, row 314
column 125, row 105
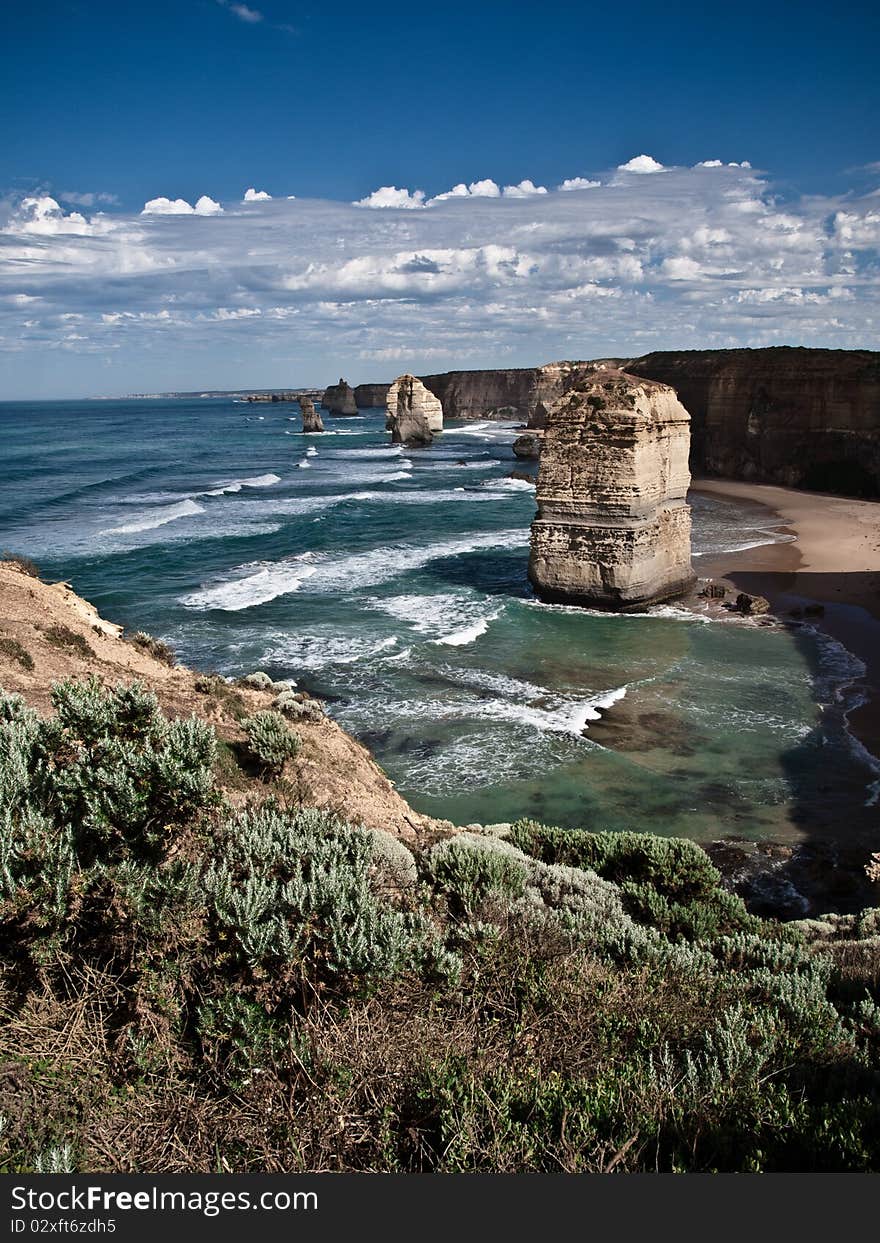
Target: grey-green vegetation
column 279, row 990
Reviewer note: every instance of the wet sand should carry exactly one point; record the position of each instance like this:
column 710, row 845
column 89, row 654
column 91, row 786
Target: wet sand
column 833, row 561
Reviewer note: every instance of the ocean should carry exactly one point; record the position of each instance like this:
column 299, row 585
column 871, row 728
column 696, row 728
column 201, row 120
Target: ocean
column 392, row 584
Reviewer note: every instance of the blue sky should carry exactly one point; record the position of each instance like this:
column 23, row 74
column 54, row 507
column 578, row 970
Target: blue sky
column 109, row 107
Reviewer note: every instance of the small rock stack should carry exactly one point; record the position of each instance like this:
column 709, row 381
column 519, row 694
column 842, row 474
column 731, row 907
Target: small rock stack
column 414, row 413
column 311, row 419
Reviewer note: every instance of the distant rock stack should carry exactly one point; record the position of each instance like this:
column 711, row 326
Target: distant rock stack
column 414, row 414
column 311, row 418
column 339, row 398
column 613, row 528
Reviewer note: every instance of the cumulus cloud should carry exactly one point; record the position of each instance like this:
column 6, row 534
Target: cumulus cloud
column 390, row 196
column 206, row 206
column 524, row 190
column 706, row 256
column 578, row 183
column 641, row 164
column 255, row 196
column 167, row 207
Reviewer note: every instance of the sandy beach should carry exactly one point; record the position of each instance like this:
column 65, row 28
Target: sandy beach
column 833, row 560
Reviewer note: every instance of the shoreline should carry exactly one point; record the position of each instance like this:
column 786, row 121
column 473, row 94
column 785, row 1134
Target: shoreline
column 833, row 561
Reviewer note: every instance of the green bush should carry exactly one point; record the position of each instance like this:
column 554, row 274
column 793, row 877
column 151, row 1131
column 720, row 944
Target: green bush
column 294, row 891
column 469, row 872
column 271, row 740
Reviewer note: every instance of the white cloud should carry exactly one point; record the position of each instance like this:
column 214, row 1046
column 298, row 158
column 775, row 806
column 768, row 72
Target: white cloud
column 859, row 231
column 698, row 257
column 641, row 164
column 486, row 189
column 167, row 207
column 43, row 215
column 88, row 200
column 457, row 192
column 242, row 11
column 524, row 190
column 578, row 183
column 256, row 196
column 207, row 206
column 680, row 268
column 390, row 196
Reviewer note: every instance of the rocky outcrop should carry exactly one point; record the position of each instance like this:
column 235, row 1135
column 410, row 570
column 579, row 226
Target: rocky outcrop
column 613, row 529
column 798, row 417
column 528, row 445
column 339, row 398
column 516, row 393
column 371, row 396
column 413, row 414
column 311, row 419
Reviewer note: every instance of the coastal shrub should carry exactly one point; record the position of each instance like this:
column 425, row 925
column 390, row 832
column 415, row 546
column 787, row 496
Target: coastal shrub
column 468, row 872
column 108, row 765
column 679, row 869
column 295, row 992
column 16, row 651
column 156, row 647
column 271, row 740
column 293, row 891
column 69, row 640
column 667, row 883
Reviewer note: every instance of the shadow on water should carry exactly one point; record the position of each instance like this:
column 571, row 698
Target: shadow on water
column 832, row 770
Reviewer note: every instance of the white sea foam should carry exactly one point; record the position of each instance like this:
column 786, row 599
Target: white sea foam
column 259, row 582
column 468, row 634
column 157, row 518
column 321, row 649
column 311, row 451
column 452, row 619
column 510, row 485
column 236, row 485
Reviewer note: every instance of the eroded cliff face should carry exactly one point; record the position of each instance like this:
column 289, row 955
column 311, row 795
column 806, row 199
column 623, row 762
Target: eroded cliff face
column 799, row 417
column 371, row 396
column 516, row 393
column 413, row 413
column 613, row 529
column 339, row 398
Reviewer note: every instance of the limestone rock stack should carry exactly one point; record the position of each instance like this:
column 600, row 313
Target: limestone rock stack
column 414, row 414
column 339, row 398
column 613, row 528
column 311, row 419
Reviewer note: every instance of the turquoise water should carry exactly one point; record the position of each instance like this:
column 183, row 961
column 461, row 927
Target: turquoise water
column 393, row 584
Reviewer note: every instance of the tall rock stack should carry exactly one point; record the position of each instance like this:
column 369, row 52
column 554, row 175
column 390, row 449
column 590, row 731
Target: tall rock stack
column 311, row 419
column 613, row 528
column 414, row 414
column 339, row 398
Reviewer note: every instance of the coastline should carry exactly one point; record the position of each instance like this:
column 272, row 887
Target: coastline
column 833, row 561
